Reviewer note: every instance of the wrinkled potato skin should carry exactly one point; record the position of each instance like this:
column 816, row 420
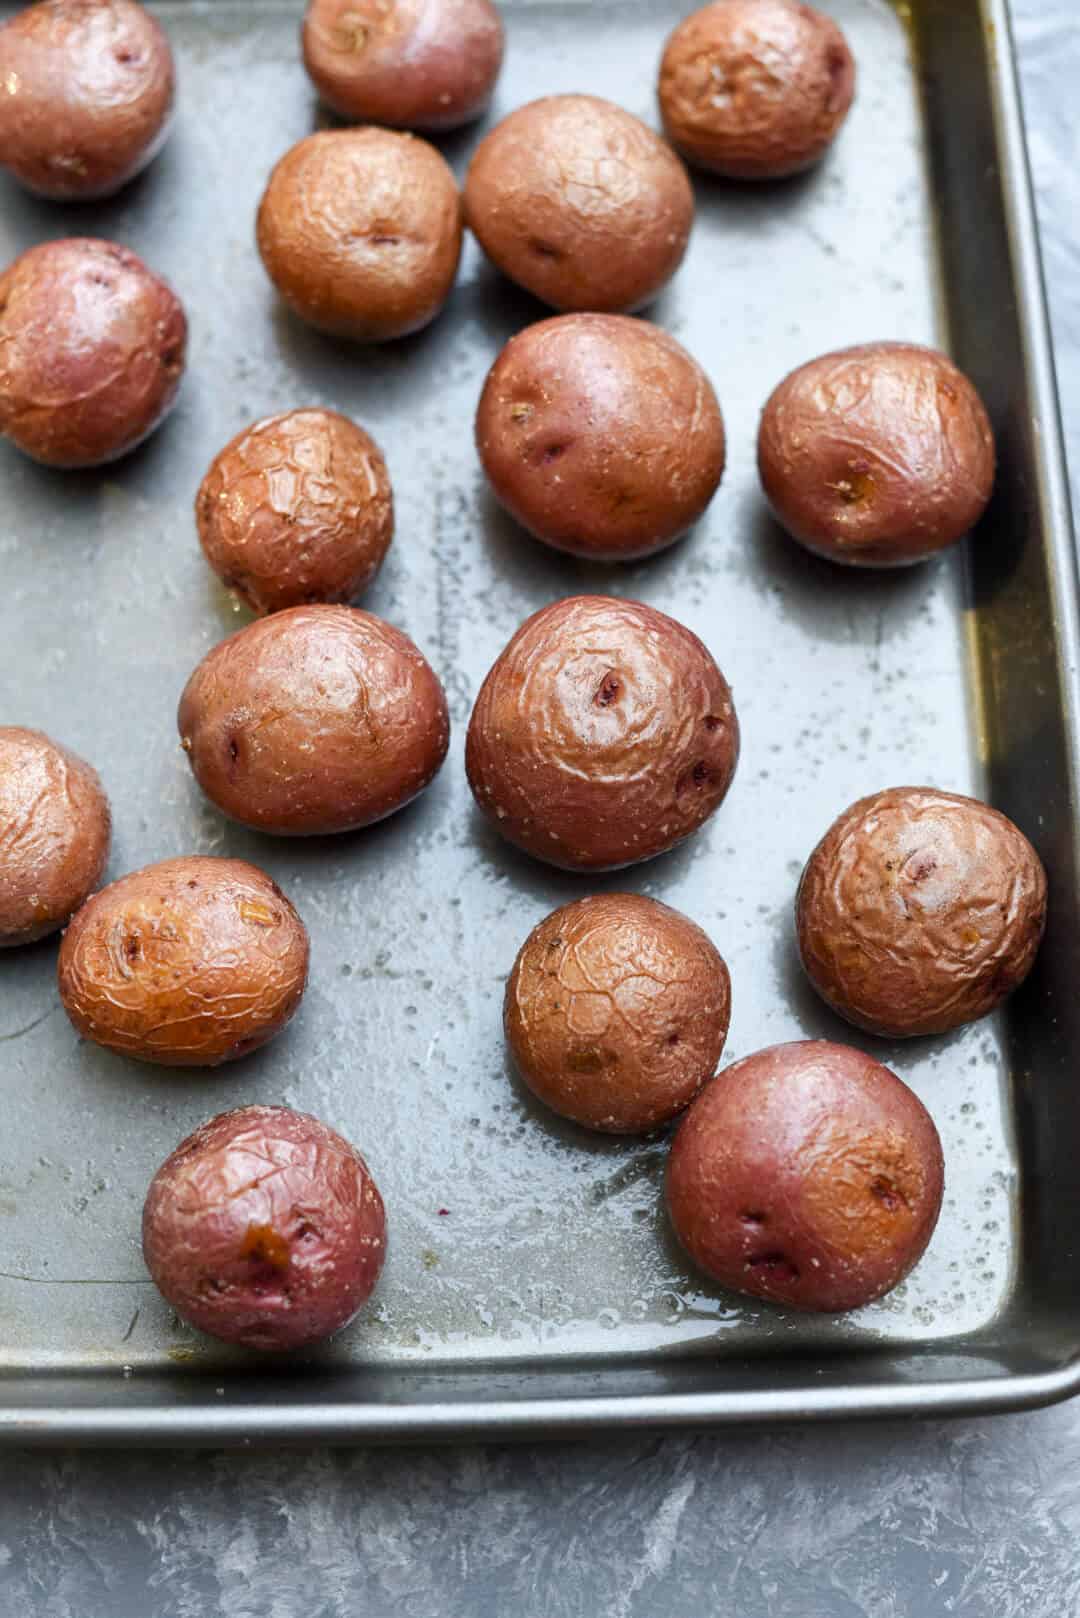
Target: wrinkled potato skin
column 877, row 456
column 360, row 231
column 919, row 910
column 317, row 719
column 55, row 830
column 265, row 1228
column 188, row 963
column 411, row 64
column 296, row 508
column 580, row 203
column 807, row 1174
column 755, row 89
column 92, row 349
column 616, row 1012
column 600, row 435
column 89, row 90
column 603, row 734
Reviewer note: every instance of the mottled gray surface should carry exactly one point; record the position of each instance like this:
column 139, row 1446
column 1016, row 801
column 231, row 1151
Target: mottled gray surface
column 979, row 1520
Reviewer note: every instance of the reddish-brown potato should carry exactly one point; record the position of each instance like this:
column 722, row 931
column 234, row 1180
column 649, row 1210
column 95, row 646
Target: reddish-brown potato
column 317, row 719
column 296, row 508
column 600, row 435
column 920, row 910
column 755, row 89
column 807, row 1174
column 616, row 1012
column 55, row 829
column 412, row 64
column 877, row 456
column 86, row 95
column 189, row 963
column 360, row 231
column 603, row 735
column 265, row 1228
column 92, row 351
column 580, row 203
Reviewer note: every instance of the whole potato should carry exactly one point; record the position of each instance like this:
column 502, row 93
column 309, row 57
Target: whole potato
column 317, row 719
column 755, row 89
column 413, row 64
column 296, row 508
column 919, row 910
column 807, row 1174
column 189, row 963
column 580, row 203
column 88, row 89
column 616, row 1012
column 600, row 435
column 604, row 734
column 877, row 456
column 360, row 231
column 92, row 351
column 265, row 1228
column 55, row 829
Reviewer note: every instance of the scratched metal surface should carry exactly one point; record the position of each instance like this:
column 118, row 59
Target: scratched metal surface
column 553, row 1242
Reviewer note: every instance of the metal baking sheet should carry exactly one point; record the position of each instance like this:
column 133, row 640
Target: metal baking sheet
column 531, row 1284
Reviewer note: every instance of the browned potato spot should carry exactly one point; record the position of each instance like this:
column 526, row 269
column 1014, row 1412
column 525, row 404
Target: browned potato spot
column 189, row 963
column 807, row 1174
column 412, row 64
column 580, row 203
column 55, row 830
column 265, row 1228
column 877, row 456
column 317, row 719
column 616, row 1012
column 755, row 89
column 920, row 910
column 603, row 734
column 600, row 435
column 86, row 95
column 296, row 508
column 360, row 231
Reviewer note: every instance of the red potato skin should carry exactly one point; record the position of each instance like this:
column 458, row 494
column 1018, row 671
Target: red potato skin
column 580, row 203
column 296, row 508
column 807, row 1174
column 877, row 456
column 55, row 831
column 187, row 963
column 265, row 1228
column 600, row 435
column 604, row 734
column 360, row 231
column 616, row 1012
column 92, row 348
column 89, row 87
column 755, row 89
column 409, row 64
column 919, row 911
column 318, row 719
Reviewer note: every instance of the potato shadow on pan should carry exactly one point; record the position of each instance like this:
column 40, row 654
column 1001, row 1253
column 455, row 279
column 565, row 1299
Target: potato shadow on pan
column 497, row 305
column 455, row 145
column 373, row 847
column 828, row 600
column 816, row 1019
column 532, row 568
column 357, row 374
column 635, row 1156
column 550, row 887
column 753, row 201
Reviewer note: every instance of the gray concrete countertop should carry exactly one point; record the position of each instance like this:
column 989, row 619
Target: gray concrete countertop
column 926, row 1520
